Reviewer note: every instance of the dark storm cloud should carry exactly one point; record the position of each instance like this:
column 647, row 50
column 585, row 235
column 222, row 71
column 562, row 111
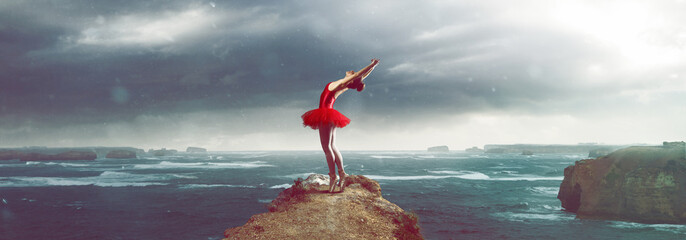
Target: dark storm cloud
column 74, row 63
column 289, row 49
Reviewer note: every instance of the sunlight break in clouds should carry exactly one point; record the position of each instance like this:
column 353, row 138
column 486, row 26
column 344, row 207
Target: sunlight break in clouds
column 644, row 39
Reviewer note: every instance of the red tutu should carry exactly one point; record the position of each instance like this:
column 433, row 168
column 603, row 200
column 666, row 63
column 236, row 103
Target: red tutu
column 316, row 117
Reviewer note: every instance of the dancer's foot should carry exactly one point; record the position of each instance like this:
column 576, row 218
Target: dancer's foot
column 332, row 182
column 341, row 183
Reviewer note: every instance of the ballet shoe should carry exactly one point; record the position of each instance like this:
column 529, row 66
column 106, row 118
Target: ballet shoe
column 332, row 182
column 341, row 182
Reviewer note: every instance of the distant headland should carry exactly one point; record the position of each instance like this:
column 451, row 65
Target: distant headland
column 594, row 150
column 41, row 153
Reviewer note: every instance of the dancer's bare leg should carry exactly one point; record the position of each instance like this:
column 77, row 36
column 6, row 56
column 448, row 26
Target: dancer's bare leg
column 338, row 159
column 325, row 136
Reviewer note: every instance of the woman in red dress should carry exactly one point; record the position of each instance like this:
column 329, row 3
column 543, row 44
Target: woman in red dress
column 327, row 119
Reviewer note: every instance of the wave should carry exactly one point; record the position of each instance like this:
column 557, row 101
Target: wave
column 105, row 179
column 284, row 186
column 184, row 176
column 385, row 156
column 674, row 228
column 255, row 155
column 463, row 174
column 535, row 216
column 469, row 175
column 58, row 163
column 529, row 178
column 544, row 190
column 506, row 167
column 555, row 208
column 298, row 175
column 167, row 164
column 422, row 157
column 466, row 175
column 214, row 186
column 575, row 156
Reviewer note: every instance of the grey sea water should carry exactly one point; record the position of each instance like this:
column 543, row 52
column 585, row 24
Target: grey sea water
column 197, row 196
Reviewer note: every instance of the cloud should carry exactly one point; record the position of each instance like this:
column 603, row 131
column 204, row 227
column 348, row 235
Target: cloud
column 73, row 65
column 144, row 30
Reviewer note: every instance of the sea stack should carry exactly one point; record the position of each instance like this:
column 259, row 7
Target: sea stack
column 196, row 150
column 438, row 149
column 121, row 154
column 307, row 211
column 638, row 184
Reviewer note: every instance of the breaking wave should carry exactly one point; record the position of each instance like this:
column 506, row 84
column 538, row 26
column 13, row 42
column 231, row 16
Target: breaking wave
column 167, row 164
column 284, row 186
column 105, row 179
column 214, row 186
column 452, row 174
column 58, row 163
column 674, row 228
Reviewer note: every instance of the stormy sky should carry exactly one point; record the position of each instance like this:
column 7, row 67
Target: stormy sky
column 237, row 75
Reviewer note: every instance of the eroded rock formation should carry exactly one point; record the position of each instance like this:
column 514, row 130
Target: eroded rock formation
column 308, row 211
column 639, row 184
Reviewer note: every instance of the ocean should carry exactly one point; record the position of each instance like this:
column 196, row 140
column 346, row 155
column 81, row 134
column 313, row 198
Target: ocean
column 456, row 195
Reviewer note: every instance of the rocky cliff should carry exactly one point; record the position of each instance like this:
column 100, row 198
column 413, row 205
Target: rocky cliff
column 196, row 150
column 33, row 156
column 553, row 148
column 308, row 211
column 121, row 154
column 639, row 184
column 443, row 148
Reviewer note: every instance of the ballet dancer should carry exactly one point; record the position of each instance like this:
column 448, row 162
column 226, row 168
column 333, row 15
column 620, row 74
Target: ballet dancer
column 326, row 119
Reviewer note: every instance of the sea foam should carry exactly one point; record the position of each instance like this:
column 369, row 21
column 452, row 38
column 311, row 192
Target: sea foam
column 545, row 190
column 529, row 178
column 57, row 163
column 168, row 164
column 452, row 174
column 105, row 179
column 674, row 228
column 214, row 186
column 285, row 185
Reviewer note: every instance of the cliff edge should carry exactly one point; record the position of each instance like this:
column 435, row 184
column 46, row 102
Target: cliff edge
column 308, row 211
column 638, row 184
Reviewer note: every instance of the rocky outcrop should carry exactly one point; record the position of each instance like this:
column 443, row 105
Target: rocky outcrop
column 552, row 148
column 121, row 154
column 438, row 149
column 308, row 211
column 639, row 184
column 70, row 155
column 474, row 149
column 10, row 154
column 162, row 152
column 41, row 152
column 599, row 152
column 196, row 150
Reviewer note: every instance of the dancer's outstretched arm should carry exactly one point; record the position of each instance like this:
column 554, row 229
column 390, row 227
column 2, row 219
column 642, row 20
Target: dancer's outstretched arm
column 363, row 73
column 343, row 83
column 366, row 70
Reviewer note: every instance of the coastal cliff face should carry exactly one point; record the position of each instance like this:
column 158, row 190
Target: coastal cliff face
column 308, row 211
column 639, row 184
